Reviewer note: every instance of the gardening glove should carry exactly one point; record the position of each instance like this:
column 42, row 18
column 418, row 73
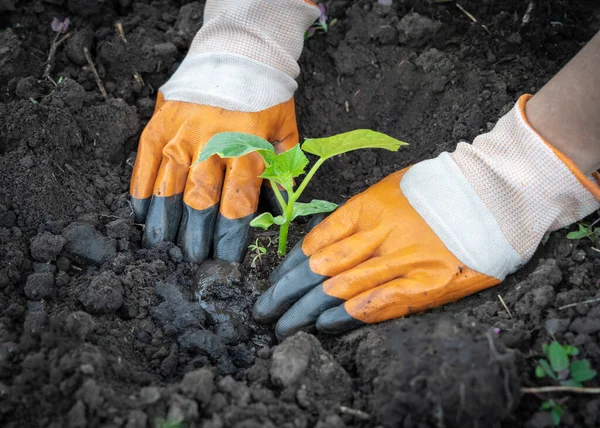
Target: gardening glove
column 430, row 234
column 237, row 77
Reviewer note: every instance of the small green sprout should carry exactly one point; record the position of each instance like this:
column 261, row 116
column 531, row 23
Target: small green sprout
column 561, row 369
column 585, row 231
column 168, row 423
column 555, row 409
column 322, row 23
column 282, row 168
column 258, row 250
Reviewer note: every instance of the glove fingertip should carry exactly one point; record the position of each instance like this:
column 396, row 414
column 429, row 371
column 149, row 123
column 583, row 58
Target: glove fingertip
column 337, row 321
column 262, row 309
column 232, row 237
column 140, row 208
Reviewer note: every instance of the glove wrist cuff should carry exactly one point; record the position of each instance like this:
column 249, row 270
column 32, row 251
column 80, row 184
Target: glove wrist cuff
column 271, row 32
column 228, row 81
column 491, row 202
column 529, row 186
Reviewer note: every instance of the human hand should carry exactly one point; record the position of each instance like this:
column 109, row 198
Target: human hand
column 237, row 77
column 430, row 234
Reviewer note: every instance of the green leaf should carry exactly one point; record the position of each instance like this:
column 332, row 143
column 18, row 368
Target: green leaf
column 556, row 413
column 546, row 366
column 540, row 372
column 583, row 232
column 314, row 207
column 234, row 145
column 545, row 348
column 348, row 141
column 266, row 220
column 559, row 360
column 581, row 371
column 286, row 166
column 546, row 405
column 571, row 350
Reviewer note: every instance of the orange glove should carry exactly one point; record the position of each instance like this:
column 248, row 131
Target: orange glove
column 430, row 234
column 237, row 77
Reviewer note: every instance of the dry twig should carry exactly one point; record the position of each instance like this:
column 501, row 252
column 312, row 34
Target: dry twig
column 570, row 305
column 355, row 412
column 86, row 52
column 575, row 389
column 121, row 31
column 504, row 304
column 51, row 54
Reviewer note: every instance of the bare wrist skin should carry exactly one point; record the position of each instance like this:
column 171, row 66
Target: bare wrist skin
column 566, row 111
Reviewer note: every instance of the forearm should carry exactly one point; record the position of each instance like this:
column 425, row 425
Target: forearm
column 566, row 111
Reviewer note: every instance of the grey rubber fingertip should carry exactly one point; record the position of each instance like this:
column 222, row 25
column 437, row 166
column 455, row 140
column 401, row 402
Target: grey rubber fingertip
column 281, row 296
column 337, row 321
column 232, row 237
column 140, row 208
column 196, row 232
column 162, row 221
column 305, row 312
column 293, row 259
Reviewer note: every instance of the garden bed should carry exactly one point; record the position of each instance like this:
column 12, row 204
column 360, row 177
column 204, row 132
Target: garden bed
column 95, row 330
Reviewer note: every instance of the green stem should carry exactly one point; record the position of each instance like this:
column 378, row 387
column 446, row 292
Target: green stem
column 283, row 230
column 306, row 180
column 278, row 195
column 283, row 233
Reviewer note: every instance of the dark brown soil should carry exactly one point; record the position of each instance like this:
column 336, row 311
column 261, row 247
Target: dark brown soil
column 97, row 331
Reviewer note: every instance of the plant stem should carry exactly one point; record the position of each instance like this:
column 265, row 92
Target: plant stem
column 576, row 389
column 283, row 230
column 306, row 180
column 283, row 234
column 278, row 195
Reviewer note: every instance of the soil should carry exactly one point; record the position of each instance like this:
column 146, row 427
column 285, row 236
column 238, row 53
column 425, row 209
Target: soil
column 95, row 330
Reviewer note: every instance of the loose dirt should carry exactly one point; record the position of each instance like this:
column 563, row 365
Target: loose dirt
column 95, row 330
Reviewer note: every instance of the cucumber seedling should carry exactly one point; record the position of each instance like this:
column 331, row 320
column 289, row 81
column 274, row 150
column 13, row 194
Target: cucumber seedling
column 282, row 168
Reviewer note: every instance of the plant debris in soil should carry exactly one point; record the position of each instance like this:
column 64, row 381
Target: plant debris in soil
column 96, row 330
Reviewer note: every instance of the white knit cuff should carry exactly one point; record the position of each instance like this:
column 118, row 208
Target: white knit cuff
column 522, row 182
column 228, row 81
column 491, row 202
column 268, row 31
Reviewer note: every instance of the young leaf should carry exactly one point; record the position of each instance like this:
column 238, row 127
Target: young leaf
column 556, row 413
column 545, row 348
column 266, row 220
column 286, row 166
column 540, row 372
column 314, row 207
column 583, row 232
column 546, row 405
column 581, row 371
column 546, row 366
column 234, row 145
column 559, row 360
column 571, row 350
column 348, row 141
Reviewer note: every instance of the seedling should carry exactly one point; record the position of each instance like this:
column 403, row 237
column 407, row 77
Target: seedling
column 559, row 367
column 282, row 168
column 168, row 423
column 585, row 231
column 322, row 23
column 555, row 409
column 258, row 250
